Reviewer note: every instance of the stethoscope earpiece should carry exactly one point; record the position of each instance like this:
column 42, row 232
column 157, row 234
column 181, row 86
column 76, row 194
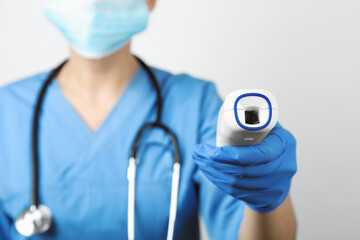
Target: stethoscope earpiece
column 34, row 220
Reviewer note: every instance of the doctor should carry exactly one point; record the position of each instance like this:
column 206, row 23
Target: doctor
column 91, row 113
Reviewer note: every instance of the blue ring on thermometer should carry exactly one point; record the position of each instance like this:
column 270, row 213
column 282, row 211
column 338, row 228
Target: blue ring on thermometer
column 252, row 95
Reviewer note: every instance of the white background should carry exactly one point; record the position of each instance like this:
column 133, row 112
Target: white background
column 306, row 52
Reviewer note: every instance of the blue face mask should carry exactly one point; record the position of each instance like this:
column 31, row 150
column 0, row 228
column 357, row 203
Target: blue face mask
column 97, row 28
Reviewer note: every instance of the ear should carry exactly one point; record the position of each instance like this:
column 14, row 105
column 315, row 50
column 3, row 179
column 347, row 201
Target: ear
column 151, row 4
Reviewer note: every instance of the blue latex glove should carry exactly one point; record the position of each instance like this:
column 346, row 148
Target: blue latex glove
column 260, row 175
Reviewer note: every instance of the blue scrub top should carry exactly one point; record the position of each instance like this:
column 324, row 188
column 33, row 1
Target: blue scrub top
column 83, row 173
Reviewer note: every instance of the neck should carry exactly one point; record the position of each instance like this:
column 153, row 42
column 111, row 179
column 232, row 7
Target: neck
column 94, row 75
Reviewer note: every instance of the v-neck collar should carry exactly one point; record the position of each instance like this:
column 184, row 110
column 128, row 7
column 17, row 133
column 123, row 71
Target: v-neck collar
column 78, row 120
column 136, row 106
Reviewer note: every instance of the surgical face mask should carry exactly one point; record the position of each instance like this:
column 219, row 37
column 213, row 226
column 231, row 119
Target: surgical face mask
column 97, row 28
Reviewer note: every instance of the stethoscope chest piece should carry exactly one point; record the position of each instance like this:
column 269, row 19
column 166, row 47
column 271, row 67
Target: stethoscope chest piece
column 34, row 220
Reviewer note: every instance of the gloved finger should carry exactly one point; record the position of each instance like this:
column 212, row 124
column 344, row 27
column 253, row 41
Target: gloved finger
column 240, row 170
column 215, row 176
column 228, row 175
column 224, row 180
column 262, row 183
column 257, row 196
column 259, row 170
column 269, row 149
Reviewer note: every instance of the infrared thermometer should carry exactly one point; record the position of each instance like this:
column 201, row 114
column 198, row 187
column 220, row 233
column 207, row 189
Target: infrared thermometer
column 246, row 118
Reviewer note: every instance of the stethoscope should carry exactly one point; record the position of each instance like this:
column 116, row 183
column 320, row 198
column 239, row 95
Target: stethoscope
column 37, row 219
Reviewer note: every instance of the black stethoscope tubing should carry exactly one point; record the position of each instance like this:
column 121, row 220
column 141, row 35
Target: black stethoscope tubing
column 35, row 127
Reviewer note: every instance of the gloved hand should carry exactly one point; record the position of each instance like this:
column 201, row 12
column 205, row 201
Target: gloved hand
column 260, row 175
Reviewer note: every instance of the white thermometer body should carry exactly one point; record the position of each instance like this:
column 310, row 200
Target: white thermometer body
column 246, row 118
